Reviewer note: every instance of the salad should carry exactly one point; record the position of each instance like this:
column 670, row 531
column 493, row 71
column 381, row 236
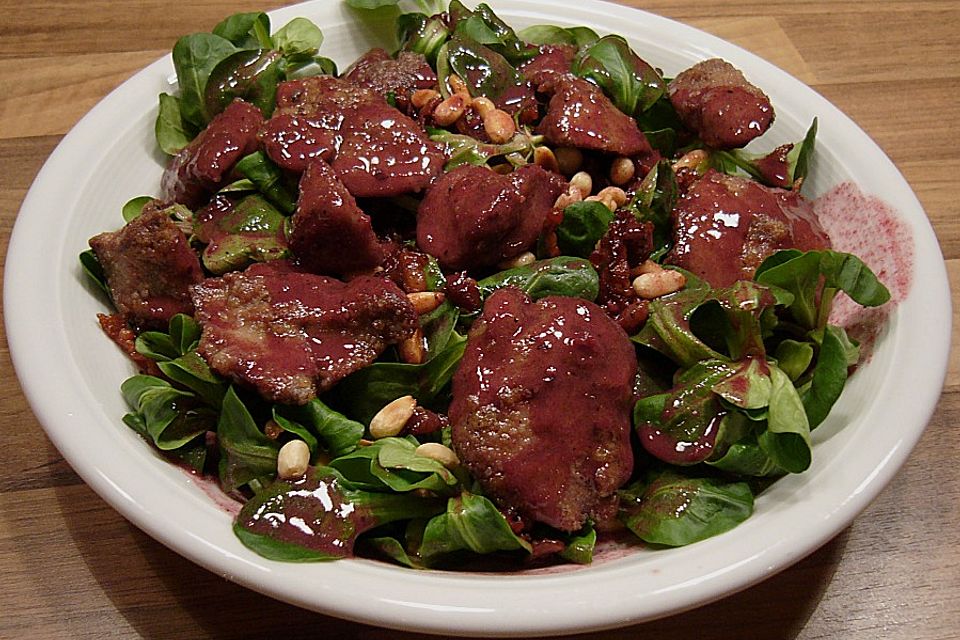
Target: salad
column 483, row 299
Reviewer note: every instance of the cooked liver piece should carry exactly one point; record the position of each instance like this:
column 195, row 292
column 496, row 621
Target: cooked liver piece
column 541, row 407
column 714, row 99
column 472, row 217
column 330, row 234
column 553, row 60
column 292, row 335
column 205, row 164
column 377, row 71
column 580, row 115
column 375, row 149
column 725, row 226
column 149, row 267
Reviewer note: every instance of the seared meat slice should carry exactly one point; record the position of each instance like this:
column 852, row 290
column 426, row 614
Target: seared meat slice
column 472, row 217
column 375, row 149
column 553, row 60
column 292, row 335
column 149, row 267
column 331, row 235
column 541, row 407
column 377, row 71
column 580, row 115
column 725, row 226
column 205, row 164
column 713, row 99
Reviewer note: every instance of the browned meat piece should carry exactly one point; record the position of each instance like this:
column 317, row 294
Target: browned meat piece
column 580, row 115
column 205, row 164
column 552, row 61
column 377, row 71
column 626, row 244
column 149, row 267
column 331, row 235
column 375, row 149
column 725, row 226
column 713, row 99
column 291, row 335
column 541, row 407
column 472, row 217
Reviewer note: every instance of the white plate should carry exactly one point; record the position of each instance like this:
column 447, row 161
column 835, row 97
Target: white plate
column 71, row 373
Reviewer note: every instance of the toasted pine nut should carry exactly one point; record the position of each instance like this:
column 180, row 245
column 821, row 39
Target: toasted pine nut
column 544, row 157
column 521, row 260
column 607, row 202
column 691, row 160
column 293, row 460
column 570, row 159
column 390, row 420
column 583, row 182
column 482, row 105
column 426, row 301
column 450, row 110
column 566, row 199
column 622, row 171
column 456, row 84
column 653, row 285
column 616, row 194
column 649, row 266
column 499, row 126
column 411, row 349
column 441, row 453
column 422, row 97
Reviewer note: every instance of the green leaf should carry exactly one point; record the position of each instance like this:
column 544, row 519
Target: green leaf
column 749, row 387
column 251, row 231
column 242, row 28
column 194, row 57
column 269, row 180
column 583, row 224
column 794, row 357
column 485, row 72
column 654, row 202
column 245, row 452
column 336, row 433
column 471, row 523
column 193, row 372
column 676, row 510
column 391, row 464
column 799, row 157
column 561, row 276
column 134, row 207
column 171, row 131
column 164, row 414
column 668, row 330
column 422, row 34
column 551, row 34
column 580, row 545
column 631, row 83
column 829, row 376
column 371, row 4
column 787, row 438
column 251, row 75
column 94, row 270
column 300, row 38
column 183, row 335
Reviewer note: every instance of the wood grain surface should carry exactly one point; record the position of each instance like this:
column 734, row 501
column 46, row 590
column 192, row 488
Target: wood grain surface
column 71, row 567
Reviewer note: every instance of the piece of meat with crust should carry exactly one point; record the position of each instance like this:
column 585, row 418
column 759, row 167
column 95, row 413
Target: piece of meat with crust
column 330, row 234
column 541, row 407
column 472, row 217
column 580, row 115
column 207, row 162
column 375, row 149
column 291, row 335
column 726, row 226
column 378, row 71
column 713, row 99
column 552, row 61
column 149, row 267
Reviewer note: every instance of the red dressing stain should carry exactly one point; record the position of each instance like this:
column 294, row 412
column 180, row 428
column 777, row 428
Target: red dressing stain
column 871, row 229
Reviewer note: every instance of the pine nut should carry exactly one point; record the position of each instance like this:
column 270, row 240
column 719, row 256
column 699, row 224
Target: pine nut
column 570, row 159
column 293, row 460
column 622, row 171
column 649, row 266
column 411, row 350
column 482, row 105
column 568, row 198
column 607, row 202
column 422, row 97
column 426, row 301
column 391, row 420
column 653, row 285
column 456, row 84
column 544, row 157
column 583, row 183
column 691, row 160
column 616, row 194
column 499, row 126
column 450, row 110
column 522, row 260
column 441, row 453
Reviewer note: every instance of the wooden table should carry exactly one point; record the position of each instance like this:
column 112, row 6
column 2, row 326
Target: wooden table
column 71, row 567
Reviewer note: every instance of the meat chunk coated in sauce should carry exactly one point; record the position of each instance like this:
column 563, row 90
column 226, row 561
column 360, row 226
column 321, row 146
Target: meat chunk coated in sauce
column 714, row 99
column 726, row 226
column 292, row 335
column 541, row 407
column 149, row 267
